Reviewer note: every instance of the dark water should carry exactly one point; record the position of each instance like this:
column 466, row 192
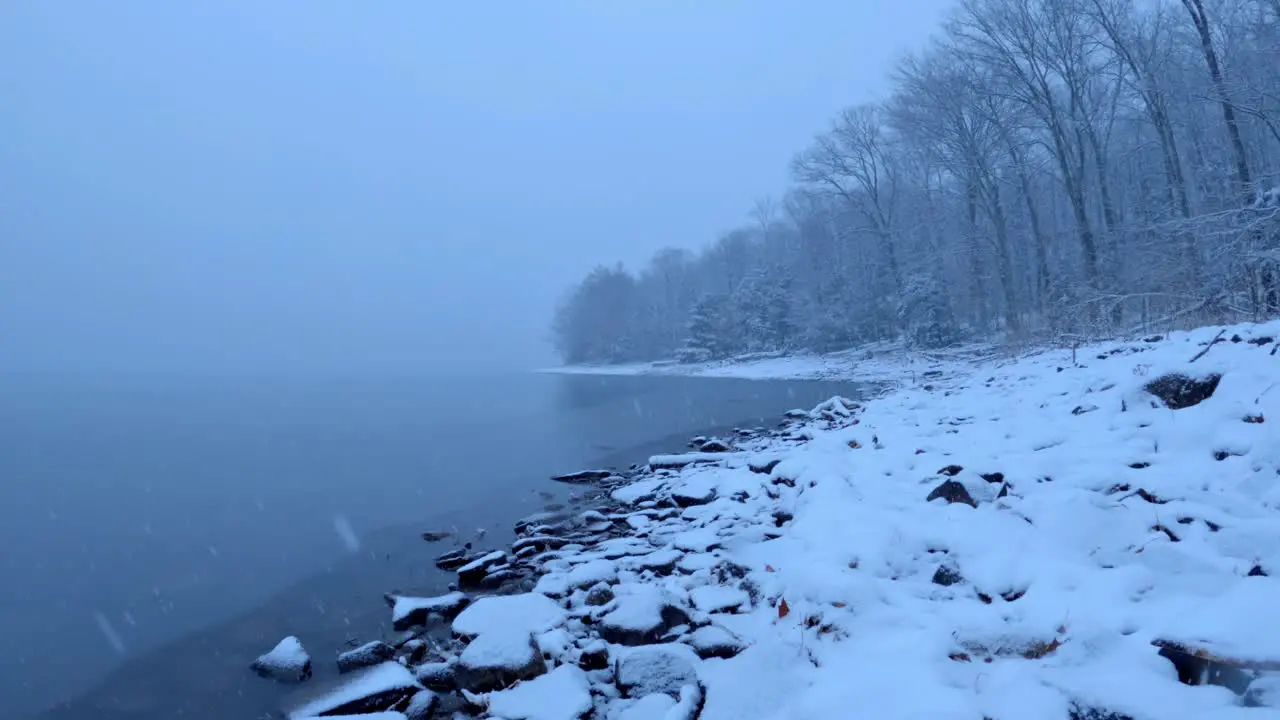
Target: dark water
column 196, row 521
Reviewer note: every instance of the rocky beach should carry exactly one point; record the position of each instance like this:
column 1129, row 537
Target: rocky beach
column 1087, row 534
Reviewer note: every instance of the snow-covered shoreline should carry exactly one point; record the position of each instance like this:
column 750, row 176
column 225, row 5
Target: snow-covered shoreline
column 1024, row 539
column 880, row 363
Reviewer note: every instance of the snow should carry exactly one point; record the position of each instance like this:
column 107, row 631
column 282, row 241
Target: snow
column 1125, row 523
column 514, row 649
column 562, row 694
column 526, row 614
column 287, row 659
column 637, row 491
column 718, row 598
column 382, row 678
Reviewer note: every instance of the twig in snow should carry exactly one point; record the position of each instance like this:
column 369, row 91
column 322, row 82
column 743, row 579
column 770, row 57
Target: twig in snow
column 1212, row 342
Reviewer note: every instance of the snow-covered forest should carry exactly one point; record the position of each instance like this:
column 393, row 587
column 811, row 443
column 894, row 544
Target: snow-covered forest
column 1045, row 169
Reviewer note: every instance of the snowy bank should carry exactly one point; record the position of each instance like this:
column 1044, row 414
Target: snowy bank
column 874, row 363
column 1041, row 539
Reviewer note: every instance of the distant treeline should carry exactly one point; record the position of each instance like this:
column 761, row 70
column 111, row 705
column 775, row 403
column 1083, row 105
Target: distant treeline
column 1044, row 168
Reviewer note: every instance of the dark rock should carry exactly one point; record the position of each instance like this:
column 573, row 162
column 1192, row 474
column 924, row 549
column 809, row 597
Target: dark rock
column 594, row 656
column 985, row 598
column 583, row 477
column 287, row 662
column 725, row 572
column 1178, row 391
column 1260, row 341
column 741, row 496
column 782, row 517
column 1011, row 595
column 689, row 498
column 657, row 669
column 946, row 576
column 952, row 492
column 931, row 374
column 370, row 690
column 1257, row 571
column 476, row 570
column 1004, row 491
column 995, row 477
column 950, row 470
column 714, row 446
column 1140, row 465
column 1082, row 409
column 1196, row 667
column 497, row 579
column 763, row 468
column 599, row 595
column 539, row 543
column 455, row 558
column 480, row 670
column 437, row 676
column 1221, row 455
column 436, row 536
column 1153, row 338
column 366, row 655
column 1237, row 339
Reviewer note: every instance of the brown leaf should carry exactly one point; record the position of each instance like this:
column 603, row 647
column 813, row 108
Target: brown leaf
column 919, row 452
column 1254, row 419
column 768, row 568
column 839, row 604
column 783, row 609
column 1040, row 649
column 854, row 444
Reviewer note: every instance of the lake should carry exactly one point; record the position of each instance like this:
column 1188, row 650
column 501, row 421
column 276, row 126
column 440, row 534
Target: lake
column 156, row 535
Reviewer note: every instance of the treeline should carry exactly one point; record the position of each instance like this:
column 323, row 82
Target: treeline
column 1045, row 168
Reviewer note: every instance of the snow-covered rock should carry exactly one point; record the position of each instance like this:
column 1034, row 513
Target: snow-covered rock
column 713, row 641
column 529, row 613
column 650, row 669
column 407, row 612
column 497, row 659
column 562, row 694
column 375, row 689
column 366, row 655
column 640, row 614
column 286, row 662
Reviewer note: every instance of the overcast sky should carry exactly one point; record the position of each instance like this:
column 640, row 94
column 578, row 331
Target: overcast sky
column 316, row 186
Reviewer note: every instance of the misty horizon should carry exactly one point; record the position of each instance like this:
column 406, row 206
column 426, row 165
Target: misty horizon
column 312, row 188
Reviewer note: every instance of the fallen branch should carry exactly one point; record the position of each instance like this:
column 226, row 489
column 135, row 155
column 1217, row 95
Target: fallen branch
column 1209, row 347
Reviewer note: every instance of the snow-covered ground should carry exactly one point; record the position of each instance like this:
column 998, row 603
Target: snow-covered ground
column 1014, row 540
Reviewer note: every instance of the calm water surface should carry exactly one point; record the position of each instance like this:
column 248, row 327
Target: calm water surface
column 155, row 537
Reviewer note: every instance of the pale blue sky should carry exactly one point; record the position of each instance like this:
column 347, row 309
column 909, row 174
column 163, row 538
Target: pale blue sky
column 313, row 186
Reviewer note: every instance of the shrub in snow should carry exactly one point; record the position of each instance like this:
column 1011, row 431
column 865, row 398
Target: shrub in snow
column 1178, row 391
column 925, row 314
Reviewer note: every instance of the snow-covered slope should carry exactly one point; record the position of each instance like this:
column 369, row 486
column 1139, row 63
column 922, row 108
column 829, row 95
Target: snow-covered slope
column 1050, row 538
column 1089, row 523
